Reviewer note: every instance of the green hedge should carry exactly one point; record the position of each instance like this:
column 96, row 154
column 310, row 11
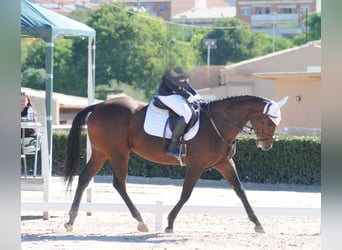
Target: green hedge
column 293, row 159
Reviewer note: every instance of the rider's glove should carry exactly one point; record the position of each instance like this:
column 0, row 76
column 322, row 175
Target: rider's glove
column 191, row 99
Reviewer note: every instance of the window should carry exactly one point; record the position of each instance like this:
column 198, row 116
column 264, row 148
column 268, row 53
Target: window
column 245, row 11
column 287, row 10
column 163, row 9
column 262, row 10
column 305, row 8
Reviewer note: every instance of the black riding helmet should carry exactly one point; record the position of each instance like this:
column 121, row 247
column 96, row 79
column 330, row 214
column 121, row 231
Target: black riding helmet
column 177, row 76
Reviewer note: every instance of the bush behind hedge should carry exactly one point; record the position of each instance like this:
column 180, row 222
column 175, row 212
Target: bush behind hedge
column 293, row 159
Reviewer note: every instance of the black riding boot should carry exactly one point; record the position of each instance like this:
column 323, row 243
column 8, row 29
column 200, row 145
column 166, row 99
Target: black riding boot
column 177, row 132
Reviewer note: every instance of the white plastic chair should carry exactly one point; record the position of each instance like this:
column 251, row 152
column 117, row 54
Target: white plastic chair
column 33, row 149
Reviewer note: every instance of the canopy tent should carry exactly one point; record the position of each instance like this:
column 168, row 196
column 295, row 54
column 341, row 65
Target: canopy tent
column 48, row 25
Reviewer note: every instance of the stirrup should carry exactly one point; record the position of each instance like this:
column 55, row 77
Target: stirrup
column 174, row 153
column 181, row 154
column 182, row 149
column 178, row 152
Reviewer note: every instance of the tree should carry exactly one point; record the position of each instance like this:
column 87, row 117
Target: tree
column 33, row 78
column 314, row 30
column 34, row 53
column 262, row 44
column 236, row 42
column 33, row 65
column 132, row 48
column 232, row 40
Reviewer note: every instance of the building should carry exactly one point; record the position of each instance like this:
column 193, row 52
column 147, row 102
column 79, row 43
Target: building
column 166, row 9
column 204, row 16
column 65, row 107
column 294, row 72
column 160, row 8
column 201, row 12
column 284, row 18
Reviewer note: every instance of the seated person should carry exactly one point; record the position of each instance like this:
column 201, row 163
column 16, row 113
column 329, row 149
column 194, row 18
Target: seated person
column 28, row 113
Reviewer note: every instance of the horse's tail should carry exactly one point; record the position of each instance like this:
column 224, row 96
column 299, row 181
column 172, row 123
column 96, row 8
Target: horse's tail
column 73, row 145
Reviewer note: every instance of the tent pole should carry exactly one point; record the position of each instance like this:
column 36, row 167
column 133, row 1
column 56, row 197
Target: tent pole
column 46, row 170
column 91, row 97
column 48, row 95
column 91, row 70
column 93, row 66
column 91, row 80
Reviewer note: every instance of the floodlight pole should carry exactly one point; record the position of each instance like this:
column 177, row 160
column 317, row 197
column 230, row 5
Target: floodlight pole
column 274, row 14
column 209, row 44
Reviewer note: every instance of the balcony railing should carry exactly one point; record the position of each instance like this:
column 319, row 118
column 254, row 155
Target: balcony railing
column 264, row 19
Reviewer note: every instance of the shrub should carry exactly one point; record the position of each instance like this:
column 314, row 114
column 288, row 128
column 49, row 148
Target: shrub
column 293, row 159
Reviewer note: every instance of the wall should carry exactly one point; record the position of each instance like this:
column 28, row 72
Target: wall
column 306, row 112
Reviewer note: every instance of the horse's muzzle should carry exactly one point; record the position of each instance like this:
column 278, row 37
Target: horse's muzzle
column 264, row 145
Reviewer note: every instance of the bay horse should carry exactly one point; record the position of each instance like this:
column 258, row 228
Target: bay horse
column 115, row 128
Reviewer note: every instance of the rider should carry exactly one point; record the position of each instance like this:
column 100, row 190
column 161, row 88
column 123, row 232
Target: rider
column 176, row 93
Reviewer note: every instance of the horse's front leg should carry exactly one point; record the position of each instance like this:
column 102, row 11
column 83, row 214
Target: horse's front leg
column 191, row 177
column 228, row 170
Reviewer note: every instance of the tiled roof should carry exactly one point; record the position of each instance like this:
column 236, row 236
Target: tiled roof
column 180, row 6
column 207, row 13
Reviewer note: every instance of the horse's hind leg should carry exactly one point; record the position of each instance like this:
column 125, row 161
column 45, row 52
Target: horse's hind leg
column 227, row 169
column 93, row 166
column 120, row 171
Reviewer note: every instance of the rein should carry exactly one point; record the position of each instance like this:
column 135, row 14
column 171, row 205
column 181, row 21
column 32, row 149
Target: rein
column 208, row 113
column 230, row 145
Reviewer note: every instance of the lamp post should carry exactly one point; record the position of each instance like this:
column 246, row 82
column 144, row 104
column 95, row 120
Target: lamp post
column 273, row 30
column 183, row 17
column 209, row 44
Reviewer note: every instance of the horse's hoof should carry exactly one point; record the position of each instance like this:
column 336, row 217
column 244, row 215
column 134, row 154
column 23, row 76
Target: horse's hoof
column 168, row 230
column 68, row 227
column 142, row 227
column 259, row 229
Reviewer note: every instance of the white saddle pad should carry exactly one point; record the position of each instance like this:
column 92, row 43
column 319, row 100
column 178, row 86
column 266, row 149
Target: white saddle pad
column 155, row 122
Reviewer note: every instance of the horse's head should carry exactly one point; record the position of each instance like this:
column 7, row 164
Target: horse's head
column 264, row 123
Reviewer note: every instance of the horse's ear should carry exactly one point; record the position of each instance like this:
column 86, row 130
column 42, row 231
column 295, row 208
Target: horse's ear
column 283, row 101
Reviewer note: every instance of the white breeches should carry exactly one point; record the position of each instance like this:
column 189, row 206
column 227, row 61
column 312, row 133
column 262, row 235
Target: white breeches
column 178, row 104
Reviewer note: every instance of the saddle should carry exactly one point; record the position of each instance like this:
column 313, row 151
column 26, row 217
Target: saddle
column 160, row 118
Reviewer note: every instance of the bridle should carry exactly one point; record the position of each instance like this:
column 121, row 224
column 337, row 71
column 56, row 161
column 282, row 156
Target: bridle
column 231, row 145
column 258, row 133
column 265, row 136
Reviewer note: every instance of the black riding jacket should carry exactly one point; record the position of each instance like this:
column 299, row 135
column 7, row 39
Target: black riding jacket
column 169, row 88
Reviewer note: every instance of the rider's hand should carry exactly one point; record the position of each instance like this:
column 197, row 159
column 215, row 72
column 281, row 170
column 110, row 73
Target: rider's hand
column 191, row 99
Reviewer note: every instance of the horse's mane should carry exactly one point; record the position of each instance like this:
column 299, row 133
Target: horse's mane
column 240, row 99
